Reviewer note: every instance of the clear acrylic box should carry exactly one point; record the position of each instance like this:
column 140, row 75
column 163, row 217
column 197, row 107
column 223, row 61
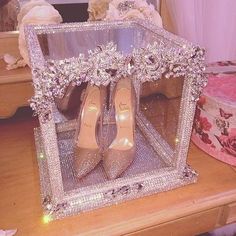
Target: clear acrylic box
column 167, row 78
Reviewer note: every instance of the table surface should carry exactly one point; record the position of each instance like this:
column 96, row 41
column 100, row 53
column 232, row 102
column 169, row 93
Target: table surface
column 20, row 205
column 11, row 77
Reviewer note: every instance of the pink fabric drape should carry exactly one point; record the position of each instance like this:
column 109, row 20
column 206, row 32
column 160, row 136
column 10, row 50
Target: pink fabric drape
column 208, row 23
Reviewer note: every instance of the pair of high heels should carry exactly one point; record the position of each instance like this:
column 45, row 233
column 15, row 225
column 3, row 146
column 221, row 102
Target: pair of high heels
column 89, row 149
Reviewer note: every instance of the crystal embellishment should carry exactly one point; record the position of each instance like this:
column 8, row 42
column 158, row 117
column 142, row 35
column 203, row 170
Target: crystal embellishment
column 106, row 65
column 50, row 208
column 189, row 173
column 125, row 6
column 124, row 190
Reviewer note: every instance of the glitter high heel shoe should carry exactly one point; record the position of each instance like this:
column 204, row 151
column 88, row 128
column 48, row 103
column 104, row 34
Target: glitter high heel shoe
column 69, row 101
column 121, row 152
column 88, row 149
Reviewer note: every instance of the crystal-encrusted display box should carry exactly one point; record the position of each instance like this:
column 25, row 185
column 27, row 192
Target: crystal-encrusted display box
column 167, row 77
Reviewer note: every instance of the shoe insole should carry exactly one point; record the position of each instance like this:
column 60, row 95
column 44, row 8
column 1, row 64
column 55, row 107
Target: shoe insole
column 91, row 111
column 124, row 116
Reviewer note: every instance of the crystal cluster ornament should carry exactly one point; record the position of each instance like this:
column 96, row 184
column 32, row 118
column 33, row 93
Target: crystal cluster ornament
column 149, row 64
column 189, row 172
column 126, row 6
column 124, row 190
column 51, row 208
column 106, row 65
column 41, row 101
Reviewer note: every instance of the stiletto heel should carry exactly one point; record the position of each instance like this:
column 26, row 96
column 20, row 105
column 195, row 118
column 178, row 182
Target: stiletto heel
column 87, row 142
column 121, row 152
column 69, row 101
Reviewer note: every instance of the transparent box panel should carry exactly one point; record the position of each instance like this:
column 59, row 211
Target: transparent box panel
column 159, row 104
column 154, row 99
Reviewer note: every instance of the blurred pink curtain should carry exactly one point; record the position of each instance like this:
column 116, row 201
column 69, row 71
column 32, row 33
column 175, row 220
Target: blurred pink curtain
column 208, row 23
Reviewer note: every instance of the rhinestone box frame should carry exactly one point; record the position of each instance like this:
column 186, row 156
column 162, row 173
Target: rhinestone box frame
column 56, row 202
